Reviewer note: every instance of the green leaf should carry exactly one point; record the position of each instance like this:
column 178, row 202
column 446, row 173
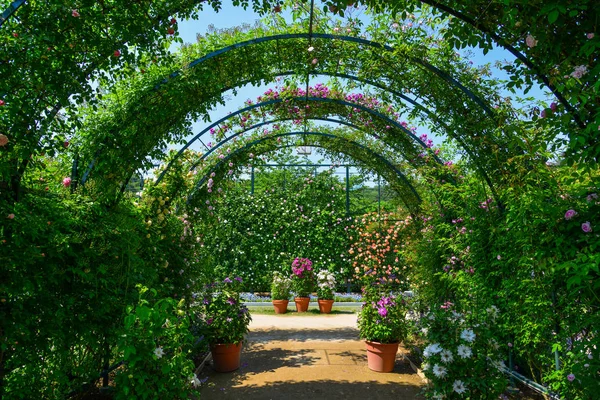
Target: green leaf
column 552, row 16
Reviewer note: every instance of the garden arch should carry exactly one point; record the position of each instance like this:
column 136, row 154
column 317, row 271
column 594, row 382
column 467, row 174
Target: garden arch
column 40, row 53
column 328, row 138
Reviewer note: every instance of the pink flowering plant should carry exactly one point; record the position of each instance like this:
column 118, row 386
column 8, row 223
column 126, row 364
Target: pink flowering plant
column 303, row 279
column 224, row 317
column 381, row 318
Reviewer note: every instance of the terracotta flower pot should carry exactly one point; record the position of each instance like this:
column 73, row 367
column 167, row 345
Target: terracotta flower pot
column 325, row 306
column 381, row 357
column 226, row 357
column 301, row 303
column 280, row 306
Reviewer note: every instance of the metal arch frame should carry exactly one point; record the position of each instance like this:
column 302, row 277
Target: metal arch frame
column 15, row 5
column 306, row 99
column 413, row 102
column 444, row 76
column 10, row 10
column 511, row 49
column 319, row 134
column 440, row 73
column 221, row 143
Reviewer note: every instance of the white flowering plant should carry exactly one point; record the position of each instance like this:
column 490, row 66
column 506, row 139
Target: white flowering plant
column 280, row 287
column 325, row 285
column 461, row 357
column 155, row 349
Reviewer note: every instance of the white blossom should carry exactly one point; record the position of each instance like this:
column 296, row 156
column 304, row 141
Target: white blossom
column 467, row 335
column 432, row 349
column 447, row 356
column 195, row 381
column 159, row 352
column 464, row 351
column 439, row 371
column 459, row 387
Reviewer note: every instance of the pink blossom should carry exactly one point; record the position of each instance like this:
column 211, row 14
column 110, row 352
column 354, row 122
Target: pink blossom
column 66, row 182
column 498, row 257
column 530, row 41
column 586, row 227
column 553, row 106
column 315, row 61
column 3, row 140
column 571, row 377
column 591, row 197
column 579, row 71
column 590, row 35
column 570, row 214
column 11, row 216
column 75, row 14
column 117, row 53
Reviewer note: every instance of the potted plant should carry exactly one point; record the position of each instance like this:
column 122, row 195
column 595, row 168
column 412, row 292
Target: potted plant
column 280, row 292
column 325, row 291
column 226, row 321
column 302, row 282
column 381, row 324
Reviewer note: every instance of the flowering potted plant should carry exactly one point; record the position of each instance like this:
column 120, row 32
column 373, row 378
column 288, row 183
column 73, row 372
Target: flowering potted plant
column 381, row 324
column 325, row 289
column 302, row 282
column 226, row 321
column 280, row 292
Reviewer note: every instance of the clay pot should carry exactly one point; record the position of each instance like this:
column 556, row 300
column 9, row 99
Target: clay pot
column 226, row 357
column 280, row 306
column 381, row 357
column 301, row 303
column 325, row 306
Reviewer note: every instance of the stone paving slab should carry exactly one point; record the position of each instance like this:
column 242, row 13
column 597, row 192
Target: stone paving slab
column 306, row 357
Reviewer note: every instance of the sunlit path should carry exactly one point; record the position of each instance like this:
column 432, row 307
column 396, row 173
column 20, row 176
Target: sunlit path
column 309, row 357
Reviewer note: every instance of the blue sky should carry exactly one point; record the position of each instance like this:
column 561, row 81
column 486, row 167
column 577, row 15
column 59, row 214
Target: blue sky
column 230, row 16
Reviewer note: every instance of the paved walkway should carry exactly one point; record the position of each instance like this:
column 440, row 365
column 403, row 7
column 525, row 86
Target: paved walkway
column 308, row 357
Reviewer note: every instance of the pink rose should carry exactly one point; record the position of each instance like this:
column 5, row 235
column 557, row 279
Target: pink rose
column 75, row 14
column 586, row 227
column 530, row 41
column 66, row 182
column 590, row 35
column 570, row 214
column 571, row 377
column 11, row 216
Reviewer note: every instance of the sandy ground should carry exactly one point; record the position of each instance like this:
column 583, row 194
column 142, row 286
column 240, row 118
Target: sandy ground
column 308, row 357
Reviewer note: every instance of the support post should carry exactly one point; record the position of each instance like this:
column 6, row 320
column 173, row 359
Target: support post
column 252, row 180
column 348, row 199
column 379, row 196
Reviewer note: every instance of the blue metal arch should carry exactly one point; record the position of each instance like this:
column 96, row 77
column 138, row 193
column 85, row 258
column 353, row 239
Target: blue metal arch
column 321, row 134
column 10, row 10
column 15, row 5
column 442, row 74
column 306, row 99
column 205, row 155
